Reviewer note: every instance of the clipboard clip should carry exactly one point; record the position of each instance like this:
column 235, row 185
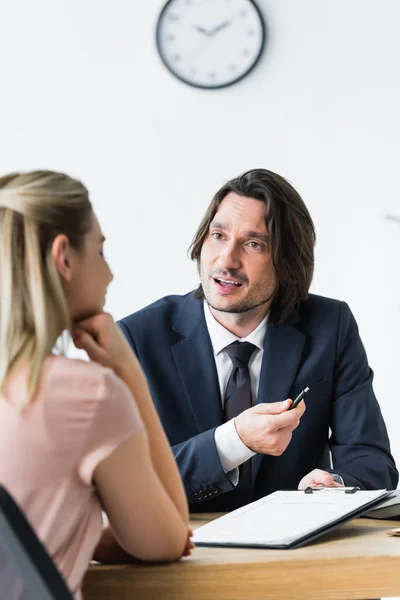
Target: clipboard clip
column 320, row 488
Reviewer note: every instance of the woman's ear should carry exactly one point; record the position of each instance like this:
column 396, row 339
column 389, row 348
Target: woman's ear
column 62, row 256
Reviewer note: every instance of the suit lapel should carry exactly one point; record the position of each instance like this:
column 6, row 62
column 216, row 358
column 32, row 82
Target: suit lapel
column 283, row 349
column 195, row 363
column 194, row 360
column 282, row 353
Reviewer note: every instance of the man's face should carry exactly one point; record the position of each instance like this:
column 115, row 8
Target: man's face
column 236, row 270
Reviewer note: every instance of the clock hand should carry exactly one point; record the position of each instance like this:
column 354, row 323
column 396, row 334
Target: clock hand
column 201, row 30
column 219, row 27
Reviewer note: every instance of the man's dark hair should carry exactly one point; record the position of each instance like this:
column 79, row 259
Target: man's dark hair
column 290, row 229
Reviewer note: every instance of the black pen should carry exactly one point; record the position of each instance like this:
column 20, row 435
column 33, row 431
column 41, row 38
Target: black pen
column 299, row 398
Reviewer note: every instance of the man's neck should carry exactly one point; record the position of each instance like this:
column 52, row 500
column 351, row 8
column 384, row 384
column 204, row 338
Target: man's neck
column 240, row 324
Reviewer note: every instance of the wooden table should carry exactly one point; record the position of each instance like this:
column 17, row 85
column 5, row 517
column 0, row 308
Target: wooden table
column 356, row 561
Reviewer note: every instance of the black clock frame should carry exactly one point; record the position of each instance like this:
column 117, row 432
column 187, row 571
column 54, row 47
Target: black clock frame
column 212, row 87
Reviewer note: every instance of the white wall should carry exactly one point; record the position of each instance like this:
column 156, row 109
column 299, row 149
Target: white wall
column 82, row 90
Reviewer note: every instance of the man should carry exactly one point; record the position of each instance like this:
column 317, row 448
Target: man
column 221, row 360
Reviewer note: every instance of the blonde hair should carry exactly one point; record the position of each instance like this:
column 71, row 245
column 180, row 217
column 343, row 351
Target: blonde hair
column 35, row 207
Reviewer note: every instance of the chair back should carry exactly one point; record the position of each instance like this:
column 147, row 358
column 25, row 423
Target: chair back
column 27, row 571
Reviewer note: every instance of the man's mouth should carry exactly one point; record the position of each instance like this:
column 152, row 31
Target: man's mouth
column 227, row 284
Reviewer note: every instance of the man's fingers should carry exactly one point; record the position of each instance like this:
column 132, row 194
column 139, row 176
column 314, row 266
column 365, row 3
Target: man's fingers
column 326, row 480
column 288, row 419
column 318, row 477
column 272, row 408
column 277, row 408
column 300, row 408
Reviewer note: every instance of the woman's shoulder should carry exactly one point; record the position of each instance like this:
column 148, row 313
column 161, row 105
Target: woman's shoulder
column 78, row 375
column 86, row 408
column 75, row 389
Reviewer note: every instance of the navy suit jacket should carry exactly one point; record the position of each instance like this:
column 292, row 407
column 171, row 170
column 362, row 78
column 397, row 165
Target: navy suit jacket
column 318, row 346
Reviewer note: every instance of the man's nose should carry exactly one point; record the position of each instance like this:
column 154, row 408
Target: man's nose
column 230, row 257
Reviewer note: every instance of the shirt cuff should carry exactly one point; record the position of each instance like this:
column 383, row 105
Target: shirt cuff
column 231, row 450
column 337, row 478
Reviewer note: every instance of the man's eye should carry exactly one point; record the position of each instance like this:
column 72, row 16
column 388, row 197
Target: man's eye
column 255, row 245
column 216, row 235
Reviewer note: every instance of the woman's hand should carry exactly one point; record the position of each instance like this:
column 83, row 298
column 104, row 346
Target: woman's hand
column 108, row 551
column 189, row 544
column 103, row 341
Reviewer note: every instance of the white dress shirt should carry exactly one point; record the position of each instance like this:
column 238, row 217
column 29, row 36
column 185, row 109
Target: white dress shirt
column 231, row 450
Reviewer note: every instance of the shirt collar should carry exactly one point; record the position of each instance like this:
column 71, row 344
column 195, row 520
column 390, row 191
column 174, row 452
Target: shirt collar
column 221, row 337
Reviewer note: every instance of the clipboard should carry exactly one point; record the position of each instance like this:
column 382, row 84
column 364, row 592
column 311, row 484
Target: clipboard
column 389, row 509
column 288, row 519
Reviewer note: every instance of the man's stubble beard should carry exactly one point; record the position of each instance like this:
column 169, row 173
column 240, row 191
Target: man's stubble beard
column 243, row 306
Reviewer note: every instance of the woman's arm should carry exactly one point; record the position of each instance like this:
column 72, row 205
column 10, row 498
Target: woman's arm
column 144, row 519
column 162, row 457
column 108, row 550
column 143, row 468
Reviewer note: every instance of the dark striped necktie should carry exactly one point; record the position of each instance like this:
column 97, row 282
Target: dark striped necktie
column 237, row 399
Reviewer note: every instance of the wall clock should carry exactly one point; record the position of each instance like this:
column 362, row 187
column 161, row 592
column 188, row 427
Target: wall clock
column 210, row 43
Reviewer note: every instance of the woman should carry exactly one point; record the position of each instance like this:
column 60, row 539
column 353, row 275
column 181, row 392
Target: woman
column 76, row 436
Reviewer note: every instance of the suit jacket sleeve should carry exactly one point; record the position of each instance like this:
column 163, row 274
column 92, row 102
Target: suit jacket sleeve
column 359, row 442
column 197, row 458
column 200, row 467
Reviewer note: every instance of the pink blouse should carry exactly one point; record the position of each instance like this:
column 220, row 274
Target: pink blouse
column 48, row 453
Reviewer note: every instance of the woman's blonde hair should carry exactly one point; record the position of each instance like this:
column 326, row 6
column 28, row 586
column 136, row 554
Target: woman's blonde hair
column 34, row 208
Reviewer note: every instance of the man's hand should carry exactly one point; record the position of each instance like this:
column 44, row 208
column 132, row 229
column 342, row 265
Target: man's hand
column 267, row 428
column 318, row 477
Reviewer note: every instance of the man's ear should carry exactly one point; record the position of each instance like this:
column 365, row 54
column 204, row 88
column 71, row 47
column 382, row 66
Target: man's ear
column 62, row 256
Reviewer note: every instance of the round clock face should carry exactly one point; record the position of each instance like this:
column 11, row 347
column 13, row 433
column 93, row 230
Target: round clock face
column 210, row 43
